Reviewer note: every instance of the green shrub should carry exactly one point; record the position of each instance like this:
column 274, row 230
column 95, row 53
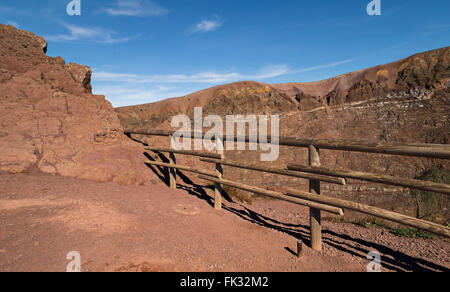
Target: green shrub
column 411, row 233
column 370, row 221
column 400, row 232
column 430, row 203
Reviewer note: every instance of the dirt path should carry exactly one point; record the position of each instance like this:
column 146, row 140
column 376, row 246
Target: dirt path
column 154, row 228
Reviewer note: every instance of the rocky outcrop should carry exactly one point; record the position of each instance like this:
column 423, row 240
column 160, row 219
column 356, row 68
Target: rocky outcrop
column 307, row 102
column 252, row 97
column 49, row 118
column 428, row 70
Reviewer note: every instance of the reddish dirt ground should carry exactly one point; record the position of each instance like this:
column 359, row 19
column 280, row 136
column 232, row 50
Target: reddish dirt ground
column 154, row 228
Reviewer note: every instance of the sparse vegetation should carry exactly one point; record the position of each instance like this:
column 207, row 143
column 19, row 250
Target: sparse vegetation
column 398, row 231
column 430, row 205
column 370, row 221
column 412, row 233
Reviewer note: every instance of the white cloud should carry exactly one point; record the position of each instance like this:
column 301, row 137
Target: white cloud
column 13, row 23
column 210, row 76
column 141, row 8
column 93, row 34
column 435, row 29
column 14, row 11
column 324, row 66
column 271, row 71
column 208, row 25
column 130, row 94
column 201, row 77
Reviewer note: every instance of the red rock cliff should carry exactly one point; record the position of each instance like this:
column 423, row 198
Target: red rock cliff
column 49, row 118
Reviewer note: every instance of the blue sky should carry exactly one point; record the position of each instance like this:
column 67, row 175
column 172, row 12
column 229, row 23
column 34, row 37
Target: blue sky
column 143, row 51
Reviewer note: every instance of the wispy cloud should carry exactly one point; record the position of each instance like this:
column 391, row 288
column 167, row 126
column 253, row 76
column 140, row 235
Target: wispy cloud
column 13, row 23
column 202, row 77
column 126, row 89
column 207, row 25
column 90, row 34
column 140, row 8
column 323, row 66
column 435, row 29
column 14, row 11
column 210, row 77
column 128, row 94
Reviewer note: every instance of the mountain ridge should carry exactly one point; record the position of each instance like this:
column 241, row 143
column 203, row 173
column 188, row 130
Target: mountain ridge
column 427, row 70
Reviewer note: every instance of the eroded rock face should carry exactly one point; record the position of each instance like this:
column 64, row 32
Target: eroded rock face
column 50, row 119
column 307, row 102
column 252, row 97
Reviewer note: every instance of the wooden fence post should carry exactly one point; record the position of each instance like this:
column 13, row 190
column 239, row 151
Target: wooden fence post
column 314, row 214
column 299, row 249
column 219, row 171
column 172, row 171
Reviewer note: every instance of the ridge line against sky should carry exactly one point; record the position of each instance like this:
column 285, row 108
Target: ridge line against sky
column 146, row 50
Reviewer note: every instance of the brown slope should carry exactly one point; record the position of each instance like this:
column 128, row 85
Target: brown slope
column 239, row 97
column 425, row 70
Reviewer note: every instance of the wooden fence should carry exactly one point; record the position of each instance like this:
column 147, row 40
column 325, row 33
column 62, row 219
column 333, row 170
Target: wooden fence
column 315, row 174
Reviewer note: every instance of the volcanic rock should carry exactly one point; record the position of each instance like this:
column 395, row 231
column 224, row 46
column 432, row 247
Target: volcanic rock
column 49, row 118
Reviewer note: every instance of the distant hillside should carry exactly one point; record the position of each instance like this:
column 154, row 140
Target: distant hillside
column 418, row 73
column 405, row 101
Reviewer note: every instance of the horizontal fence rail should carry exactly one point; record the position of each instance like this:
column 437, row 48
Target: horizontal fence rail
column 161, row 133
column 377, row 178
column 314, row 172
column 182, row 167
column 186, row 152
column 276, row 195
column 339, row 181
column 377, row 212
column 441, row 151
column 422, row 150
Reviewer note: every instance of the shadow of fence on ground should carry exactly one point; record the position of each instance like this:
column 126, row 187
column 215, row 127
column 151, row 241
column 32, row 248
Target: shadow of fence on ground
column 391, row 259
